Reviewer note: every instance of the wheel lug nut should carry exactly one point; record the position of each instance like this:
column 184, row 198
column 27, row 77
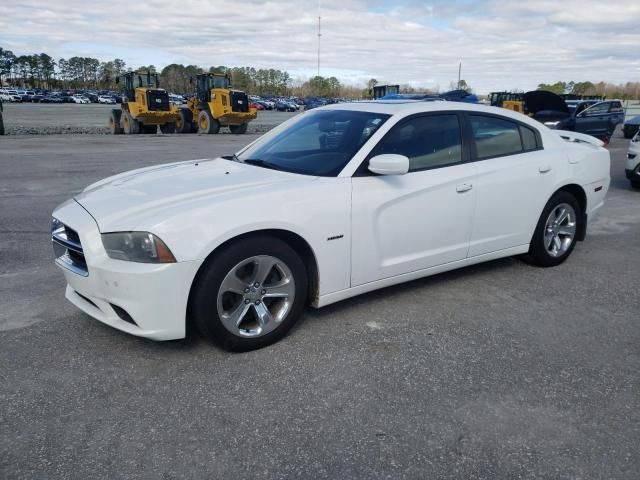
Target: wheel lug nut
column 247, row 301
column 257, row 284
column 246, row 290
column 257, row 302
column 263, row 292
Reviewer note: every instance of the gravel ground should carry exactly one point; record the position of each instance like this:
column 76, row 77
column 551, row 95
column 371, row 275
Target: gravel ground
column 71, row 118
column 500, row 370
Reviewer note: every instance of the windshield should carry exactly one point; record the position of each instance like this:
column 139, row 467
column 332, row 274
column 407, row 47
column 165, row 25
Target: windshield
column 320, row 144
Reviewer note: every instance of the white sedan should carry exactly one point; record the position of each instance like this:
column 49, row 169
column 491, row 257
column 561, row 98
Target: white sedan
column 333, row 203
column 632, row 167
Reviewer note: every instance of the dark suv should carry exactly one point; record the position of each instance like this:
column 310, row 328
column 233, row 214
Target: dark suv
column 598, row 119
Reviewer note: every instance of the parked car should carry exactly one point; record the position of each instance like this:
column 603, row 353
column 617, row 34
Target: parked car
column 339, row 201
column 80, row 99
column 632, row 167
column 267, row 104
column 286, row 106
column 256, row 105
column 51, row 99
column 598, row 119
column 631, row 127
column 106, row 99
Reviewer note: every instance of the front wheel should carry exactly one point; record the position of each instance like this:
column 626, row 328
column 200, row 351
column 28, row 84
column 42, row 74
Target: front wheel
column 250, row 294
column 206, row 123
column 556, row 232
column 114, row 122
column 184, row 123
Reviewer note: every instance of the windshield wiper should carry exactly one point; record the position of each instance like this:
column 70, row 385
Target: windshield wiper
column 233, row 157
column 261, row 163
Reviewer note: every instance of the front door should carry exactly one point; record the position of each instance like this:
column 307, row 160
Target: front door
column 422, row 219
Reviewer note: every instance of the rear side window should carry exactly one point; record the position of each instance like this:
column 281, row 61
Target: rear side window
column 495, row 137
column 598, row 109
column 529, row 140
column 616, row 107
column 429, row 142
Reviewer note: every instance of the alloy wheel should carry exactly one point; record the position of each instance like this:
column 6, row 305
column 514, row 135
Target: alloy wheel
column 560, row 230
column 256, row 296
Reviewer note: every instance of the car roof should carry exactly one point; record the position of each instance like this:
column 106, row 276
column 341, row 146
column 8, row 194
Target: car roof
column 409, row 107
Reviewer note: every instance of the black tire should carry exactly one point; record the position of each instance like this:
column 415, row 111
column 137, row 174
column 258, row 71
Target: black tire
column 148, row 129
column 204, row 296
column 238, row 129
column 1, row 125
column 538, row 253
column 130, row 125
column 185, row 123
column 168, row 128
column 114, row 122
column 635, row 184
column 206, row 123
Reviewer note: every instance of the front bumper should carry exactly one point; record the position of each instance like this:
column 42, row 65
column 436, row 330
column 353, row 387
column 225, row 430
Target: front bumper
column 153, row 297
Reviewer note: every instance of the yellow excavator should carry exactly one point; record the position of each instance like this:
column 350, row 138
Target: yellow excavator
column 146, row 107
column 214, row 105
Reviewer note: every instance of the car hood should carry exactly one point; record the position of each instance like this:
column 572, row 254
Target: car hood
column 122, row 202
column 542, row 100
column 633, row 121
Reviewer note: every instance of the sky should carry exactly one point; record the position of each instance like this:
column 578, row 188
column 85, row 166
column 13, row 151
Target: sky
column 502, row 44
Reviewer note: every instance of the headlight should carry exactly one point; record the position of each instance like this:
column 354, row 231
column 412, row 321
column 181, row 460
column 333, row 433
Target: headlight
column 143, row 247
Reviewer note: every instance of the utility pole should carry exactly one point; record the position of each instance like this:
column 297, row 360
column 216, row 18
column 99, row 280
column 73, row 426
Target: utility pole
column 319, row 35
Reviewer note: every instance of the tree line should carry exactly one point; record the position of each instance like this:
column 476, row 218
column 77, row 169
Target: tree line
column 626, row 91
column 43, row 71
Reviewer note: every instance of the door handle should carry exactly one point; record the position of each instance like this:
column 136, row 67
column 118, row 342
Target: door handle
column 545, row 169
column 465, row 187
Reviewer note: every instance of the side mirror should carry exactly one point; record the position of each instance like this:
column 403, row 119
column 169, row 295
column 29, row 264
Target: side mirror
column 389, row 164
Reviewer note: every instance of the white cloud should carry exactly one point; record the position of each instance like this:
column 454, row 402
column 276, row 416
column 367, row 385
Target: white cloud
column 502, row 44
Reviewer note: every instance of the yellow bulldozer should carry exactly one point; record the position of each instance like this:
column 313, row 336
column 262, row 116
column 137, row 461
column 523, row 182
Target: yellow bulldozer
column 214, row 105
column 146, row 107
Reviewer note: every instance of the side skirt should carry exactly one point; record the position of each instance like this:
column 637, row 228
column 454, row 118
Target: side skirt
column 334, row 297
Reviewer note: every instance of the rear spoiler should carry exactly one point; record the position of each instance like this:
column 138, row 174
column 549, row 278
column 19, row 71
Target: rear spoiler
column 579, row 138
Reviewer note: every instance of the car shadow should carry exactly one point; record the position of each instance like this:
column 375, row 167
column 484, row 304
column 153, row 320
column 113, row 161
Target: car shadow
column 387, row 293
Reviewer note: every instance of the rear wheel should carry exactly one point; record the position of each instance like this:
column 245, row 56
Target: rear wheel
column 206, row 123
column 635, row 184
column 168, row 128
column 114, row 122
column 129, row 124
column 185, row 120
column 250, row 294
column 238, row 129
column 556, row 232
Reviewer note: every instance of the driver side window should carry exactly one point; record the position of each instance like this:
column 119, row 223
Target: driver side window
column 429, row 142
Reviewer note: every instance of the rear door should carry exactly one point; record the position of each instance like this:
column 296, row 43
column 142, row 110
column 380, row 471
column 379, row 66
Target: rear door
column 514, row 179
column 594, row 120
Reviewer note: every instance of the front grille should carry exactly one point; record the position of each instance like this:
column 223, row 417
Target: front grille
column 158, row 100
column 67, row 248
column 239, row 101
